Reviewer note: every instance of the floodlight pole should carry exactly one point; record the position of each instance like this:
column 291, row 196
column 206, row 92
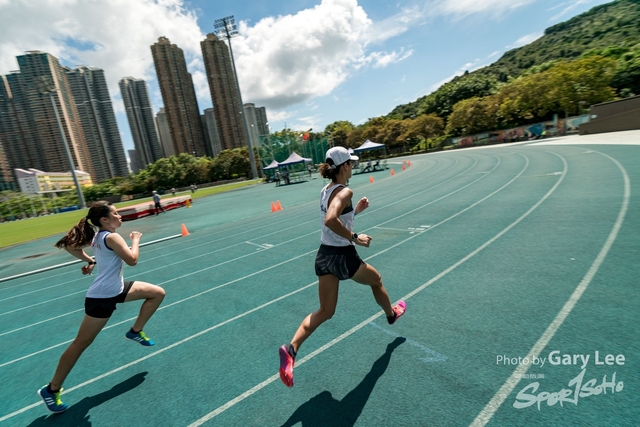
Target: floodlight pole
column 227, row 28
column 46, row 88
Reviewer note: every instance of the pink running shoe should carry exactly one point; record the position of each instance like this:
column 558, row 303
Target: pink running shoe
column 398, row 310
column 286, row 366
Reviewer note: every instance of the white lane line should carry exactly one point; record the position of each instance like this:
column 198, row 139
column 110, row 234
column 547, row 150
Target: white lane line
column 404, row 230
column 265, row 246
column 269, row 380
column 498, row 399
column 43, row 302
column 41, row 270
column 40, row 322
column 434, row 355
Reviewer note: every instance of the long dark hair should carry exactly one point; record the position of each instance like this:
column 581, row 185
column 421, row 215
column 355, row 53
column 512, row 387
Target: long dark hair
column 329, row 170
column 82, row 233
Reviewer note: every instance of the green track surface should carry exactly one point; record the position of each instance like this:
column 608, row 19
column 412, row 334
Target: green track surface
column 486, row 245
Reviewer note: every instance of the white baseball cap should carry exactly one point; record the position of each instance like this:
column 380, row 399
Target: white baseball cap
column 339, row 155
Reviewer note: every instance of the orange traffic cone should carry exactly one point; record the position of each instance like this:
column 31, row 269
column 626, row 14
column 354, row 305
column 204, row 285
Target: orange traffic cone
column 273, row 207
column 185, row 232
column 371, row 179
column 404, row 167
column 278, row 205
column 409, row 163
column 393, row 172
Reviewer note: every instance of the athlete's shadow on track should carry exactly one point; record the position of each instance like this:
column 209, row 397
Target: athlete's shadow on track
column 78, row 414
column 325, row 411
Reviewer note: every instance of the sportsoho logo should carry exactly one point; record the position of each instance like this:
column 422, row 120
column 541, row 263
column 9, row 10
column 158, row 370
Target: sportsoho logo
column 578, row 387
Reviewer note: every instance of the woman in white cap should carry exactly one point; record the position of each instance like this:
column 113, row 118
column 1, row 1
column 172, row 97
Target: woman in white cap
column 337, row 258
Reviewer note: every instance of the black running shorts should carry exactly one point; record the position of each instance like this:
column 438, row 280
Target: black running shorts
column 341, row 261
column 103, row 308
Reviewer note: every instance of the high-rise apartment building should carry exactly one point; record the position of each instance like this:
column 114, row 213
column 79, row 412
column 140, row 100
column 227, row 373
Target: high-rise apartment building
column 140, row 117
column 224, row 92
column 179, row 97
column 263, row 122
column 28, row 126
column 6, row 179
column 164, row 133
column 134, row 163
column 98, row 121
column 252, row 124
column 211, row 131
column 15, row 127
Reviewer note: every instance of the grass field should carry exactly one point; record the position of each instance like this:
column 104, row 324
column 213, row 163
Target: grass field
column 16, row 232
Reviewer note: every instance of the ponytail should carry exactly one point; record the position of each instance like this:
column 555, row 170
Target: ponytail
column 329, row 170
column 83, row 232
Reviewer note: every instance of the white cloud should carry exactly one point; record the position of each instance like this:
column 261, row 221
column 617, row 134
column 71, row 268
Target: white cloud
column 306, row 123
column 524, row 40
column 115, row 35
column 279, row 116
column 293, row 58
column 382, row 59
column 461, row 8
column 395, row 24
column 572, row 5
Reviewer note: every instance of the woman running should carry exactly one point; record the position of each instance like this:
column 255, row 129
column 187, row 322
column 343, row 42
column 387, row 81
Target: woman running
column 337, row 258
column 108, row 289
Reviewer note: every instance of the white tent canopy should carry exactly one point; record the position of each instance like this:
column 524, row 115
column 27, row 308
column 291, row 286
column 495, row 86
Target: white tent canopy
column 272, row 165
column 370, row 145
column 293, row 159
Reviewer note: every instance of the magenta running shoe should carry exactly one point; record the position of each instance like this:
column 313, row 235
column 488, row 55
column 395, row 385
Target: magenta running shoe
column 398, row 310
column 286, row 364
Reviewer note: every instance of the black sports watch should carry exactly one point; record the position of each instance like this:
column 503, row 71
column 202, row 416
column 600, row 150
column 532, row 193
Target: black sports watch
column 354, row 237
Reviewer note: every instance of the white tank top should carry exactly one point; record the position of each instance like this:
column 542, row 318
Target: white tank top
column 109, row 282
column 328, row 237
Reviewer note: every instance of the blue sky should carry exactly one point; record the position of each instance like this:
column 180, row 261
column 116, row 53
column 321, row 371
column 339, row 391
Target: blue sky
column 309, row 62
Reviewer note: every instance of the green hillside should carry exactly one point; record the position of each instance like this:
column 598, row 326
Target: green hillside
column 611, row 30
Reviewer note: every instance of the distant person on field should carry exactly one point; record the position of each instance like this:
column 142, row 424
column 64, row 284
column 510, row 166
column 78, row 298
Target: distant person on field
column 108, row 289
column 276, row 177
column 156, row 200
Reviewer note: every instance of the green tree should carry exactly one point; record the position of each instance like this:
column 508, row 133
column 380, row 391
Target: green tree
column 472, row 115
column 441, row 101
column 338, row 132
column 422, row 128
column 578, row 84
